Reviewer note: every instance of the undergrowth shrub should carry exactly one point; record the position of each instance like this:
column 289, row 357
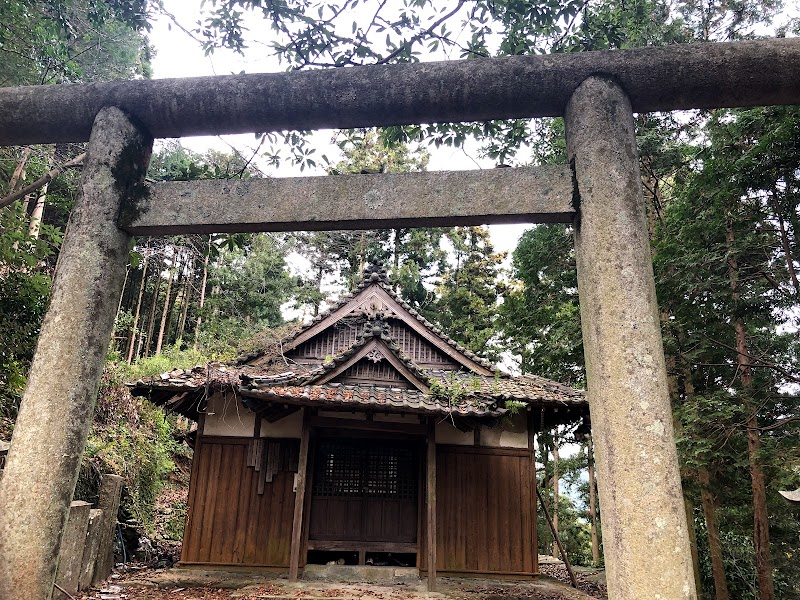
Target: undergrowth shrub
column 132, row 438
column 171, row 358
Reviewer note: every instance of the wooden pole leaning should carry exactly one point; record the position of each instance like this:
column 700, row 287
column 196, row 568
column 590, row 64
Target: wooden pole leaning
column 636, row 458
column 53, row 423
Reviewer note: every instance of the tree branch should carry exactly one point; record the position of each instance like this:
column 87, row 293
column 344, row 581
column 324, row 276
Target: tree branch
column 414, row 39
column 759, row 362
column 780, row 423
column 42, row 181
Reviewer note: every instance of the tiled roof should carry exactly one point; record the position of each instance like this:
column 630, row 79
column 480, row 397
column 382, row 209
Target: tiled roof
column 458, row 393
column 374, row 398
column 530, row 389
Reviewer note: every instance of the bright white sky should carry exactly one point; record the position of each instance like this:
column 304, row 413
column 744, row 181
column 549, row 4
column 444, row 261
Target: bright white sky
column 178, row 55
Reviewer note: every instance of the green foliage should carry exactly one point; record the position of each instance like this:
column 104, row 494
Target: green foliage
column 249, row 287
column 23, row 300
column 72, row 40
column 176, row 521
column 333, row 34
column 540, row 316
column 49, row 42
column 132, row 438
column 453, row 389
column 574, row 527
column 170, row 358
column 723, row 253
column 365, row 151
column 468, row 294
column 174, row 162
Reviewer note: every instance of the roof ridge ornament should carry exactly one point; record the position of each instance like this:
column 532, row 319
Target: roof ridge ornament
column 376, row 326
column 375, row 273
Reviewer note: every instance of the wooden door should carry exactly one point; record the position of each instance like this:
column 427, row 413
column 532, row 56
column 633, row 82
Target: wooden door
column 364, row 491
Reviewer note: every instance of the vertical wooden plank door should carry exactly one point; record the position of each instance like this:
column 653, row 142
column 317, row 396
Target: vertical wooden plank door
column 364, row 495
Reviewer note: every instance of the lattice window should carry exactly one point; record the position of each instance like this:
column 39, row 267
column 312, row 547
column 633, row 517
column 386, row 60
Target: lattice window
column 390, row 472
column 338, row 470
column 348, row 468
column 414, row 346
column 373, row 372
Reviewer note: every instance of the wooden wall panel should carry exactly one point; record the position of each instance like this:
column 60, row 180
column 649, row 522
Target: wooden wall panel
column 485, row 511
column 229, row 521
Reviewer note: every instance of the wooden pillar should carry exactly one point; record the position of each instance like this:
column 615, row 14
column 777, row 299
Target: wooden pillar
column 196, row 453
column 299, row 498
column 430, row 490
column 532, row 486
column 636, row 458
column 58, row 402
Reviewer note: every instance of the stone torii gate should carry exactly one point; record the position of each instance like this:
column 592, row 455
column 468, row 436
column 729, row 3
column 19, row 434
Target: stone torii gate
column 600, row 192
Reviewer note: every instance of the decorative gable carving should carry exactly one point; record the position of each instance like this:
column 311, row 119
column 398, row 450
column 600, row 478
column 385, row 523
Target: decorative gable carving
column 374, row 355
column 373, row 307
column 373, row 303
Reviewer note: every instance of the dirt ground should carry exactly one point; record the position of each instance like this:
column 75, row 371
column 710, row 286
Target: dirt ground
column 185, row 584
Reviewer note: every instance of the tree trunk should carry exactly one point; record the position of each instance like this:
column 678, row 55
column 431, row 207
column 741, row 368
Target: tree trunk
column 186, row 298
column 688, row 507
column 180, row 268
column 165, row 312
column 361, row 258
column 25, row 203
column 787, row 250
column 555, row 494
column 766, row 587
column 124, row 285
column 320, row 275
column 545, row 454
column 675, row 399
column 709, row 509
column 37, row 214
column 135, row 324
column 592, row 502
column 396, row 260
column 152, row 322
column 117, row 336
column 714, row 545
column 202, row 297
column 19, row 171
column 38, row 209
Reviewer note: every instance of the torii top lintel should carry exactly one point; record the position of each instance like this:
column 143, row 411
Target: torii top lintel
column 708, row 75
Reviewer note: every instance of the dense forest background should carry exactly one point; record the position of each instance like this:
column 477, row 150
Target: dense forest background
column 723, row 197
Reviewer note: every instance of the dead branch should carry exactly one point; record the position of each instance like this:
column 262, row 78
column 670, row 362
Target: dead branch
column 780, row 423
column 44, row 180
column 758, row 361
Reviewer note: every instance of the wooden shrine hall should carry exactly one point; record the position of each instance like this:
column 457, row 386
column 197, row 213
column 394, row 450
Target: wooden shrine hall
column 359, row 438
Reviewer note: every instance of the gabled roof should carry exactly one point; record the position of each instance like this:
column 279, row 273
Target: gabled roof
column 375, row 295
